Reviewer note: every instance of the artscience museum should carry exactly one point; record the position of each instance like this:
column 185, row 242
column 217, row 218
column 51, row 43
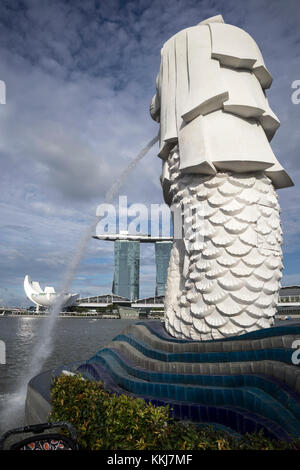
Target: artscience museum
column 47, row 297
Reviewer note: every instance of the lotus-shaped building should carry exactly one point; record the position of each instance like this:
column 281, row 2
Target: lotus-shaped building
column 46, row 298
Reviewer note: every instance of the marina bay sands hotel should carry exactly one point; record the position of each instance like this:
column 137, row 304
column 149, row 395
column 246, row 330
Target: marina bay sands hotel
column 126, row 281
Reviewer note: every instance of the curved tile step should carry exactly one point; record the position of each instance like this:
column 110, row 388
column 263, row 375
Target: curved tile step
column 275, row 354
column 251, row 398
column 239, row 420
column 154, row 341
column 287, row 374
column 240, row 382
column 158, row 328
column 276, row 389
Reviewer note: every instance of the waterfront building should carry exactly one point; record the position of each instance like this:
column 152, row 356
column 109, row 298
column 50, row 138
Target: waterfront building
column 162, row 258
column 289, row 301
column 47, row 297
column 127, row 269
column 126, row 280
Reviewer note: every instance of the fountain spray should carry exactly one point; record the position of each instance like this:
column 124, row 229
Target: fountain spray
column 44, row 345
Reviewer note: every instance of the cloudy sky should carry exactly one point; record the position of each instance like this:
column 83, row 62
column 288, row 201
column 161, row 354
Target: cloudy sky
column 80, row 75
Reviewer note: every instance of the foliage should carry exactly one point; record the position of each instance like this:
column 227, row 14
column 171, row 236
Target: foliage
column 111, row 422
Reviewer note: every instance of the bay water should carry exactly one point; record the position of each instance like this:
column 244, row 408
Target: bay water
column 74, row 339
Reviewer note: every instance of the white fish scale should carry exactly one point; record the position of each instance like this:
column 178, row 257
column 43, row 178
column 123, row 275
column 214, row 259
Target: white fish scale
column 270, row 312
column 219, row 218
column 263, row 273
column 215, row 272
column 184, row 301
column 227, row 260
column 254, row 311
column 233, row 280
column 249, row 236
column 244, row 320
column 206, row 286
column 277, row 276
column 210, row 251
column 248, row 196
column 216, row 296
column 265, row 211
column 248, row 214
column 196, row 276
column 203, row 264
column 201, row 328
column 201, row 192
column 245, row 296
column 230, row 307
column 254, row 258
column 194, row 296
column 216, row 320
column 272, row 240
column 201, row 310
column 243, row 181
column 215, row 182
column 230, row 329
column 238, row 248
column 185, row 315
column 195, row 257
column 273, row 222
column 218, row 200
column 263, row 323
column 232, row 208
column 221, row 240
column 261, row 185
column 207, row 210
column 230, row 282
column 253, row 284
column 262, row 228
column 264, row 301
column 273, row 262
column 185, row 331
column 228, row 189
column 240, row 270
column 234, row 226
column 206, row 229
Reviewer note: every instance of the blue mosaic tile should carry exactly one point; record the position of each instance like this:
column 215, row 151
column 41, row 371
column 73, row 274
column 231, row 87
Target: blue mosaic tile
column 242, row 402
column 159, row 330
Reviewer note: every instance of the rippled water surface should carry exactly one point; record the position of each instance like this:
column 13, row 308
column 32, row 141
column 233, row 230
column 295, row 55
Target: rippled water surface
column 75, row 339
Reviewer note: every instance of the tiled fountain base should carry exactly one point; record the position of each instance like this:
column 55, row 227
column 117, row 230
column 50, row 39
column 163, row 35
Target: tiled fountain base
column 243, row 383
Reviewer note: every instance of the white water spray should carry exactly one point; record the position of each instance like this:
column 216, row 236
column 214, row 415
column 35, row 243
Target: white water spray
column 44, row 345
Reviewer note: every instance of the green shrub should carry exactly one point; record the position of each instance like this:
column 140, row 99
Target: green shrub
column 111, row 422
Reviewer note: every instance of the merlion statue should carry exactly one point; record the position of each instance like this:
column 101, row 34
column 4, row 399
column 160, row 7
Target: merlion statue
column 220, row 173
